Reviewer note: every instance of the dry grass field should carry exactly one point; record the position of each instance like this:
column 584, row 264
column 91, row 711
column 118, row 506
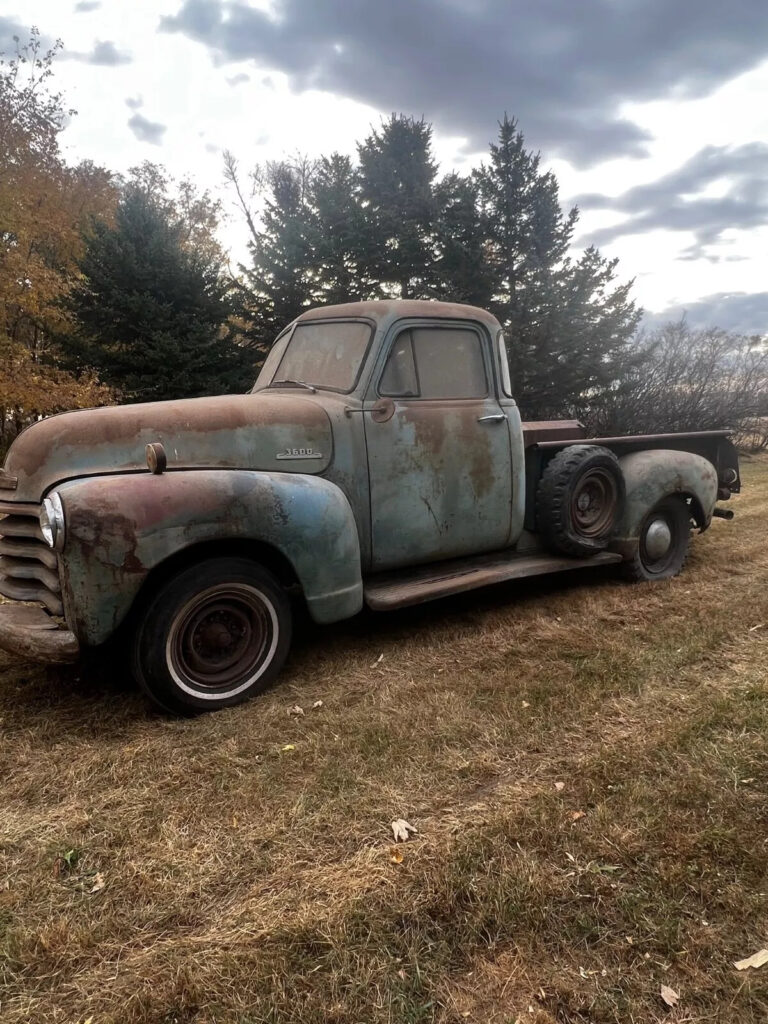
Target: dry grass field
column 586, row 763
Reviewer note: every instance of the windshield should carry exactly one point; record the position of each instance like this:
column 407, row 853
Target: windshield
column 321, row 353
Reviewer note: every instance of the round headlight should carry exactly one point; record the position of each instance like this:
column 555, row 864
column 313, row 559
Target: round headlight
column 52, row 522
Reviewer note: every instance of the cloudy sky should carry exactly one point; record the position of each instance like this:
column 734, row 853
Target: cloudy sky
column 652, row 113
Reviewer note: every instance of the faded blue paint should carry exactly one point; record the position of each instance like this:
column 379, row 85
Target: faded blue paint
column 356, row 492
column 230, row 431
column 517, row 447
column 121, row 528
column 440, row 480
column 653, row 475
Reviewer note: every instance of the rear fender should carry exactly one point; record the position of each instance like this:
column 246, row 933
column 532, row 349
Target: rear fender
column 653, row 475
column 120, row 528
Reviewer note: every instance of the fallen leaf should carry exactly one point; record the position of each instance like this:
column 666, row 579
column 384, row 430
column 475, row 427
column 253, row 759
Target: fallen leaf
column 401, row 974
column 559, row 786
column 758, row 626
column 296, row 710
column 378, row 661
column 578, row 815
column 670, row 997
column 288, row 746
column 756, row 960
column 317, row 704
column 526, row 704
column 98, row 883
column 396, row 855
column 401, row 830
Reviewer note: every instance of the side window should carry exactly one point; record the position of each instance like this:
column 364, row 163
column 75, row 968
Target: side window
column 449, row 362
column 399, row 377
column 435, row 362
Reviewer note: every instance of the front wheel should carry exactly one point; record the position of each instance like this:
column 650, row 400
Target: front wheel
column 213, row 636
column 665, row 536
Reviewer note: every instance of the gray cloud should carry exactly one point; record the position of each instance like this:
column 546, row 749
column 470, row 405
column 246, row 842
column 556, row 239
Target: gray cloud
column 104, row 54
column 146, row 130
column 563, row 68
column 733, row 311
column 674, row 201
column 238, row 79
column 134, row 102
column 13, row 35
column 87, row 5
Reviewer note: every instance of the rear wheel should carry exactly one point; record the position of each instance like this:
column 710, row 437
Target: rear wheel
column 665, row 536
column 212, row 636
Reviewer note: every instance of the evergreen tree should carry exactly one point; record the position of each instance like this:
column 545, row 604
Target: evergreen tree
column 281, row 280
column 461, row 271
column 397, row 173
column 567, row 322
column 149, row 311
column 338, row 233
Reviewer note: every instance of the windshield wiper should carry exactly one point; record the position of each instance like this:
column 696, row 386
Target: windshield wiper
column 298, row 383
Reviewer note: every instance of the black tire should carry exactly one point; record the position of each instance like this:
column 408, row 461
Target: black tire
column 580, row 499
column 651, row 561
column 213, row 636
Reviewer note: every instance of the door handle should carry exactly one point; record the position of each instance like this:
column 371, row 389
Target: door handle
column 494, row 417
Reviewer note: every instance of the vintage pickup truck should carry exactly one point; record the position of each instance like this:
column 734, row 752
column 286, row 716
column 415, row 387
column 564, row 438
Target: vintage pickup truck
column 379, row 459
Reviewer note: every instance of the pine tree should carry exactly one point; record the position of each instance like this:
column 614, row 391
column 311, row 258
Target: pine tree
column 397, row 173
column 337, row 233
column 567, row 322
column 150, row 312
column 461, row 272
column 280, row 282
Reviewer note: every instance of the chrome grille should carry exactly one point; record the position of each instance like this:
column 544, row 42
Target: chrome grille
column 28, row 567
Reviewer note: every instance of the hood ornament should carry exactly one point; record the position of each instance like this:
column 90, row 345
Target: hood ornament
column 156, row 458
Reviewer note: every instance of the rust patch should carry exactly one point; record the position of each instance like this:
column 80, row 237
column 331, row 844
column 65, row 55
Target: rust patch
column 231, row 431
column 109, row 533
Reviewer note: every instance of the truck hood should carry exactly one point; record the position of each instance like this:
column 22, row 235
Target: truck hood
column 283, row 433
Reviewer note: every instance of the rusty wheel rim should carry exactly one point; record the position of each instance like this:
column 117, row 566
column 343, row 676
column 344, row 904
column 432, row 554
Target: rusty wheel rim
column 593, row 505
column 222, row 640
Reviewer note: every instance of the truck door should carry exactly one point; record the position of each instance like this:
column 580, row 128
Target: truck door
column 439, row 458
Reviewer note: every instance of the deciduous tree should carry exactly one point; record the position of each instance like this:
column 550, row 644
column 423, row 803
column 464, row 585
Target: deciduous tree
column 44, row 206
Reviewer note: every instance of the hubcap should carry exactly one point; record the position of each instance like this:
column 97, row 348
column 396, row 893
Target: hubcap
column 658, row 539
column 222, row 640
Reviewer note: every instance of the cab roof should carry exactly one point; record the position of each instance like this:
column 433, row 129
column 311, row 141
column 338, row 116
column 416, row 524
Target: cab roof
column 385, row 311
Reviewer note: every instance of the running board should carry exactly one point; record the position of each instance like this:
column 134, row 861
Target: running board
column 415, row 586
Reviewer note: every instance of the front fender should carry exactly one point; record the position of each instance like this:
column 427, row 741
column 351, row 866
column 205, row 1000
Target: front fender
column 652, row 475
column 120, row 528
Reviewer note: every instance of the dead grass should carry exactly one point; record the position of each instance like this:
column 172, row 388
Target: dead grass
column 247, row 883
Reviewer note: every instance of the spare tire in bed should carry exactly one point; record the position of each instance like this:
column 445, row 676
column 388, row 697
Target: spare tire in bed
column 580, row 499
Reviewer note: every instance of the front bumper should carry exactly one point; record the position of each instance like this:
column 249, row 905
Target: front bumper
column 31, row 633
